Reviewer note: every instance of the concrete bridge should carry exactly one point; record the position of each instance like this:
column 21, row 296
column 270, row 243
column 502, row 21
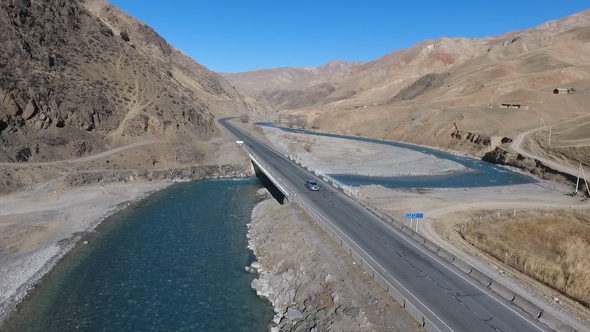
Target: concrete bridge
column 261, row 168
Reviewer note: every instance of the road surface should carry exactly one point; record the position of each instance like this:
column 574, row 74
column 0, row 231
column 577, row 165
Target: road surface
column 450, row 299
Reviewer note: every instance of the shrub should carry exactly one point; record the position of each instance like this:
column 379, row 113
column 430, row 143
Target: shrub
column 244, row 118
column 124, row 36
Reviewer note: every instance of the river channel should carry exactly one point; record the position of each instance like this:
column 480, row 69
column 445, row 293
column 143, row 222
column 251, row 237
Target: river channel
column 478, row 173
column 173, row 262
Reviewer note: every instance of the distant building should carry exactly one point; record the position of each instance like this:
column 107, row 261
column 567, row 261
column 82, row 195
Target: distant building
column 514, row 106
column 561, row 91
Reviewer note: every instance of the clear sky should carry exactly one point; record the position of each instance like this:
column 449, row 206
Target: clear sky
column 241, row 35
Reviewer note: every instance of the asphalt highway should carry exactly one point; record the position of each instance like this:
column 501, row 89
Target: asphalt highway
column 450, row 299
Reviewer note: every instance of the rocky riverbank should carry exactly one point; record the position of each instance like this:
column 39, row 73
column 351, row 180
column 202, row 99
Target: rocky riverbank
column 311, row 283
column 501, row 156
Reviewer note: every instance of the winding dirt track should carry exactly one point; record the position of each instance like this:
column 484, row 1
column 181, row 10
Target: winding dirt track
column 84, row 159
column 517, row 147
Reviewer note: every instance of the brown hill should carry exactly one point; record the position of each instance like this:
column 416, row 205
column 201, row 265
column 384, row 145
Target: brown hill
column 78, row 77
column 553, row 53
column 286, row 87
column 81, row 77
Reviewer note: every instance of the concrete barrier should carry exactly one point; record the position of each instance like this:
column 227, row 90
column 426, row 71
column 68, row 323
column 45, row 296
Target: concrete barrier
column 415, row 313
column 338, row 239
column 502, row 290
column 381, row 281
column 346, row 248
column 480, row 277
column 395, row 295
column 419, row 238
column 445, row 255
column 461, row 265
column 429, row 326
column 555, row 323
column 408, row 231
column 397, row 224
column 431, row 246
column 356, row 257
column 527, row 306
column 367, row 267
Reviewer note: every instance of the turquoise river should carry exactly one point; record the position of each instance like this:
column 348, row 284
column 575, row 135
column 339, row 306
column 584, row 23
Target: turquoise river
column 173, row 262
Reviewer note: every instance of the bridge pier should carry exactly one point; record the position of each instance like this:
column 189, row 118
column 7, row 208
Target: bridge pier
column 269, row 185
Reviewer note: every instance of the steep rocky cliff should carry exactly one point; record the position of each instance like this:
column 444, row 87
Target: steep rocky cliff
column 81, row 77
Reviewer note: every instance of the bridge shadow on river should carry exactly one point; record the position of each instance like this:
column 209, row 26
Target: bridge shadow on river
column 267, row 183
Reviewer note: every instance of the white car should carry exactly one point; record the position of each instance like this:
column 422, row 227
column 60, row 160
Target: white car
column 312, row 185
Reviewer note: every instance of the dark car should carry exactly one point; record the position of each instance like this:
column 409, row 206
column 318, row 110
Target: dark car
column 312, row 185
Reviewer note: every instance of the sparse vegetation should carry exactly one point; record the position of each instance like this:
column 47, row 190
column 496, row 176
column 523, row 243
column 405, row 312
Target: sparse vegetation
column 259, row 129
column 316, row 124
column 551, row 247
column 244, row 118
column 297, row 122
column 125, row 36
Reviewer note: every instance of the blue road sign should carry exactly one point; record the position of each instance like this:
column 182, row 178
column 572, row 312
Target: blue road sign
column 414, row 215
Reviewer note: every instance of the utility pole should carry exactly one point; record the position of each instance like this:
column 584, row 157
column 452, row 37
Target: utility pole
column 578, row 180
column 542, row 125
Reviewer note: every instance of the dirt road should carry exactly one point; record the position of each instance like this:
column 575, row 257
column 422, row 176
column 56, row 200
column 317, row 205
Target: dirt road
column 84, row 159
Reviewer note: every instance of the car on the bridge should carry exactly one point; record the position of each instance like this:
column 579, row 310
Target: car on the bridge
column 312, row 185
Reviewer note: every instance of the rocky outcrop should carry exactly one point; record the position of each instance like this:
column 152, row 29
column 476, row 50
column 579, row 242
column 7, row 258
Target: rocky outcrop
column 422, row 85
column 477, row 139
column 500, row 156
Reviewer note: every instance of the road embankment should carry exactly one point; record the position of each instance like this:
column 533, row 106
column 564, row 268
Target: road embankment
column 311, row 282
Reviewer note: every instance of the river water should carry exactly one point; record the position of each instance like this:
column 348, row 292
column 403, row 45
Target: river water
column 478, row 173
column 173, row 262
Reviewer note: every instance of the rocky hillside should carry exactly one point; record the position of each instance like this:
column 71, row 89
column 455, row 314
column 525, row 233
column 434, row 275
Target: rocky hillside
column 81, row 77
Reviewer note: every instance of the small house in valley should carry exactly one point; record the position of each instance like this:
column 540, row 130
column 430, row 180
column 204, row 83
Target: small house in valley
column 561, row 91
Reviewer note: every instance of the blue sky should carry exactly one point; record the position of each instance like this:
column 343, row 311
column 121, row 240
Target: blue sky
column 242, row 35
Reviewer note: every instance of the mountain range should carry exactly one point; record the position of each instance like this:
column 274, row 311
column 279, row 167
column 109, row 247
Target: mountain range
column 455, row 71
